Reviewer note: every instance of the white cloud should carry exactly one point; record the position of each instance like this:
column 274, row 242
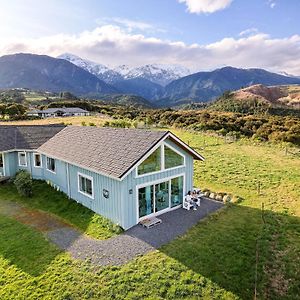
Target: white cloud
column 128, row 24
column 272, row 3
column 205, row 6
column 248, row 32
column 113, row 45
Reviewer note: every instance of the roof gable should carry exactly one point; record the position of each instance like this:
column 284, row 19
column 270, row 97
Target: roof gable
column 108, row 151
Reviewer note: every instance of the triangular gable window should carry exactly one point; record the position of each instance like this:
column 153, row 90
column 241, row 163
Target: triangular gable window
column 172, row 158
column 151, row 164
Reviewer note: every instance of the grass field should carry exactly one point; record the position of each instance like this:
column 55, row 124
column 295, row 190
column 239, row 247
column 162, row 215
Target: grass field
column 97, row 120
column 226, row 256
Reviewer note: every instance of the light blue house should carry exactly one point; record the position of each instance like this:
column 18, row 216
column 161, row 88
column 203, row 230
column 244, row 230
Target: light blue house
column 125, row 175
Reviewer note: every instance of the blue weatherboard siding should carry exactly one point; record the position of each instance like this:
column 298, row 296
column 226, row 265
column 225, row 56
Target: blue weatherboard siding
column 121, row 206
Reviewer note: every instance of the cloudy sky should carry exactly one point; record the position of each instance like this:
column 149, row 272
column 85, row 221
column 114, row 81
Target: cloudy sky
column 200, row 34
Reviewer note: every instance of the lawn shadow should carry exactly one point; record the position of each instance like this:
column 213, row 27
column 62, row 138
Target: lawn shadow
column 236, row 248
column 24, row 247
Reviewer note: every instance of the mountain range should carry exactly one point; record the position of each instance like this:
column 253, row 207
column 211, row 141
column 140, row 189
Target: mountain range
column 162, row 85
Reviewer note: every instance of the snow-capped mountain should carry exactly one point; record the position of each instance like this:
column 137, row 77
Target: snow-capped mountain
column 156, row 73
column 101, row 71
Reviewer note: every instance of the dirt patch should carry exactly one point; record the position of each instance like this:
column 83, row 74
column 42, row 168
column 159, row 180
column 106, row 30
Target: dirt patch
column 39, row 220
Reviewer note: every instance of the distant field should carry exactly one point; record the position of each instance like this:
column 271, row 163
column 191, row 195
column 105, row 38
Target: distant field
column 226, row 256
column 97, row 120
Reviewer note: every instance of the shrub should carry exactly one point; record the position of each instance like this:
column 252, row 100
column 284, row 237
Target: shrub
column 92, row 124
column 83, row 123
column 23, row 183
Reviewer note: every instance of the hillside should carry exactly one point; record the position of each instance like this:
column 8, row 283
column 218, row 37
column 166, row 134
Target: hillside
column 140, row 87
column 205, row 86
column 258, row 98
column 41, row 72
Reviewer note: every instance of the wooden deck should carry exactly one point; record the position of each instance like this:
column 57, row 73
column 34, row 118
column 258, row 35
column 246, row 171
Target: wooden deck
column 4, row 178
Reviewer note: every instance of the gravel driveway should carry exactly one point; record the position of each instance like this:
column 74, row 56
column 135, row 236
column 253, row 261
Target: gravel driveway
column 135, row 241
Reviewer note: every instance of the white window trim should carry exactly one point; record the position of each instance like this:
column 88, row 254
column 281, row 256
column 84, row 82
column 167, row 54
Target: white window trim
column 34, row 161
column 19, row 161
column 162, row 163
column 154, row 183
column 53, row 172
column 78, row 185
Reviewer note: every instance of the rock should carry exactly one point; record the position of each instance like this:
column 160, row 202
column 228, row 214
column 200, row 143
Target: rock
column 219, row 198
column 212, row 195
column 226, row 199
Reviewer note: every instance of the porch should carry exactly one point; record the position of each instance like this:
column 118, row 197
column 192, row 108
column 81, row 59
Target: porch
column 174, row 223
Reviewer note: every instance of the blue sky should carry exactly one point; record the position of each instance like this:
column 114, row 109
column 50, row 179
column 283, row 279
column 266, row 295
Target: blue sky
column 200, row 34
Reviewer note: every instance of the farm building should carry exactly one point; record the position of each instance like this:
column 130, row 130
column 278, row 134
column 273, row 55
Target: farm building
column 125, row 175
column 58, row 112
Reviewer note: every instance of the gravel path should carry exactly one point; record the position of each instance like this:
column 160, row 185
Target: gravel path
column 135, row 241
column 116, row 250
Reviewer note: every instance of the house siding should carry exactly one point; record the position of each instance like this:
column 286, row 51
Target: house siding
column 121, row 206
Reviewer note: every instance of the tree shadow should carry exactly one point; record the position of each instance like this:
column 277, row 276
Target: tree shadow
column 25, row 247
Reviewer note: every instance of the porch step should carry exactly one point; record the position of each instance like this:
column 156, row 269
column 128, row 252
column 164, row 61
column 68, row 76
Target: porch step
column 148, row 223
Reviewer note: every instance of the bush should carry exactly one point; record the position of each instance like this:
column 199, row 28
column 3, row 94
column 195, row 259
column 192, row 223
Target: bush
column 23, row 183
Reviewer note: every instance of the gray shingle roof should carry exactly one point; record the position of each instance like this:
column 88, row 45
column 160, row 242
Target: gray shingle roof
column 60, row 109
column 26, row 137
column 105, row 150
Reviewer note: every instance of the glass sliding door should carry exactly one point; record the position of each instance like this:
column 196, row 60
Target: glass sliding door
column 146, row 201
column 158, row 197
column 176, row 191
column 162, row 200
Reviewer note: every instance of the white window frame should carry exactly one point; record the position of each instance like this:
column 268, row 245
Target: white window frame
column 162, row 162
column 34, row 160
column 54, row 172
column 19, row 159
column 78, row 185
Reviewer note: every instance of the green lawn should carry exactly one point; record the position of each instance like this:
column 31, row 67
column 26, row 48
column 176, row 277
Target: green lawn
column 49, row 200
column 221, row 258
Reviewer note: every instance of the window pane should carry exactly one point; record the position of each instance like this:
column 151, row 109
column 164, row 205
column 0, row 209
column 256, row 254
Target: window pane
column 37, row 160
column 151, row 164
column 51, row 164
column 145, row 201
column 89, row 189
column 161, row 196
column 176, row 191
column 82, row 184
column 1, row 161
column 22, row 159
column 172, row 159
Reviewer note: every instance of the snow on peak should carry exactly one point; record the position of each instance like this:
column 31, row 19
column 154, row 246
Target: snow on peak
column 158, row 73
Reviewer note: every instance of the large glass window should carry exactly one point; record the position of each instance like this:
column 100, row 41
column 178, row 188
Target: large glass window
column 176, row 191
column 22, row 159
column 85, row 185
column 51, row 164
column 151, row 164
column 146, row 206
column 172, row 159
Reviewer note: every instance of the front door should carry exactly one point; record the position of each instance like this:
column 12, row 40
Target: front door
column 156, row 198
